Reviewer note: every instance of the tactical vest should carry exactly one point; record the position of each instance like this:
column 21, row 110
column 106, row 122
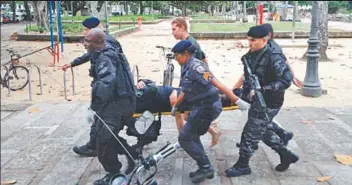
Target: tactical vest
column 262, row 68
column 124, row 82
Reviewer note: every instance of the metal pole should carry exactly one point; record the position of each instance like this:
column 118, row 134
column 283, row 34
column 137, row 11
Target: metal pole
column 312, row 87
column 57, row 21
column 51, row 25
column 106, row 17
column 294, row 21
column 60, row 27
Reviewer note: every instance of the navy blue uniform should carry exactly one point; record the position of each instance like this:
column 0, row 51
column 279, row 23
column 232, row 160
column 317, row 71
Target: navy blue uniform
column 153, row 98
column 205, row 104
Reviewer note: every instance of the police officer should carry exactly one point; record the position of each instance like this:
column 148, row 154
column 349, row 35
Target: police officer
column 274, row 77
column 113, row 100
column 286, row 136
column 200, row 90
column 89, row 149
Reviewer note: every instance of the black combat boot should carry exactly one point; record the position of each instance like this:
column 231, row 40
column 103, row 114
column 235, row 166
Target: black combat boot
column 286, row 137
column 205, row 172
column 240, row 168
column 103, row 181
column 286, row 157
column 85, row 151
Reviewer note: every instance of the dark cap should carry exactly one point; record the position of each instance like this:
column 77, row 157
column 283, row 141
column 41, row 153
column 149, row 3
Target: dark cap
column 91, row 22
column 258, row 31
column 182, row 46
column 269, row 27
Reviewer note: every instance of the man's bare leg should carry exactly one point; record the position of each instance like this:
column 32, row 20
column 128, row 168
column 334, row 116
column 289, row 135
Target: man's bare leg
column 214, row 132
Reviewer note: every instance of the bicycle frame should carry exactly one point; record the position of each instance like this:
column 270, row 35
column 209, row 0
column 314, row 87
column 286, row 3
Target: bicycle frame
column 169, row 70
column 146, row 164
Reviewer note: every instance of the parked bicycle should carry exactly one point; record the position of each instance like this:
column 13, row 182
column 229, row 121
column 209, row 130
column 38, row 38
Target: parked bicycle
column 169, row 69
column 16, row 76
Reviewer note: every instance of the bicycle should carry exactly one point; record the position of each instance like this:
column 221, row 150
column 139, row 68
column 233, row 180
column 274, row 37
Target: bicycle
column 169, row 70
column 14, row 72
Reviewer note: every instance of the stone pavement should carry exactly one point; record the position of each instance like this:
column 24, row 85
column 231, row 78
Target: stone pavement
column 36, row 148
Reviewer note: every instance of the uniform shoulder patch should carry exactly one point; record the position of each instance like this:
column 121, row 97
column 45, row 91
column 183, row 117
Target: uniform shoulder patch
column 200, row 69
column 207, row 76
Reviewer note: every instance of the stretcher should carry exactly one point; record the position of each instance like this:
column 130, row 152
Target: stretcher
column 137, row 115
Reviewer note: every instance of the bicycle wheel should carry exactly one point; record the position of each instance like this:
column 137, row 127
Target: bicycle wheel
column 18, row 77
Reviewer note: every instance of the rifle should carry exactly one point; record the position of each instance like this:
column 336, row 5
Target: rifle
column 255, row 86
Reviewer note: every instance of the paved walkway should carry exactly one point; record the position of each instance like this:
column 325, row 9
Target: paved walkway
column 36, row 148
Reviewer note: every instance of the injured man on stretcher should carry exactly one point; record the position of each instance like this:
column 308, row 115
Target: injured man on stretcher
column 158, row 99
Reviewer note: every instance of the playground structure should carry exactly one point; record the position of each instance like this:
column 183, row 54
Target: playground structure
column 53, row 49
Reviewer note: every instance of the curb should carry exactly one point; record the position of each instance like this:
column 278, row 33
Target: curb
column 70, row 38
column 120, row 22
column 278, row 35
column 213, row 21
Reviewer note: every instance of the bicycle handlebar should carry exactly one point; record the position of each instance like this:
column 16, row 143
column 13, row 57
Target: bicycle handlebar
column 163, row 47
column 153, row 160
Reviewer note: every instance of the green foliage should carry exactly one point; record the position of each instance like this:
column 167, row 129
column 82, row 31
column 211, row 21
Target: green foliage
column 334, row 6
column 241, row 27
column 73, row 29
column 116, row 18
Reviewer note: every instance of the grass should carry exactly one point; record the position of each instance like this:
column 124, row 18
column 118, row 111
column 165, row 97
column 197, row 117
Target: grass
column 205, row 16
column 117, row 18
column 73, row 29
column 244, row 27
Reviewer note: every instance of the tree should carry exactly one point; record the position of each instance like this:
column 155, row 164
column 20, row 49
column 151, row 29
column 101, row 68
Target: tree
column 323, row 34
column 323, row 28
column 40, row 9
column 76, row 5
column 27, row 10
column 13, row 9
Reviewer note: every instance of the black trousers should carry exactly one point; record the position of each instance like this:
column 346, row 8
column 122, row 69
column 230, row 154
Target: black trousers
column 114, row 116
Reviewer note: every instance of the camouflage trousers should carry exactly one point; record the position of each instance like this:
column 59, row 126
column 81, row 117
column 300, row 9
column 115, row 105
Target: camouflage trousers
column 258, row 128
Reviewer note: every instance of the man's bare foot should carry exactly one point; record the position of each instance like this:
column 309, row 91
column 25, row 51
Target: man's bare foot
column 215, row 138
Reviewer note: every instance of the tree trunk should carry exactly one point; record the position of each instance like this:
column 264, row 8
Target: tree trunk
column 183, row 9
column 245, row 19
column 28, row 11
column 94, row 8
column 223, row 8
column 323, row 29
column 323, row 35
column 13, row 9
column 126, row 7
column 141, row 8
column 285, row 11
column 41, row 13
column 237, row 11
column 294, row 21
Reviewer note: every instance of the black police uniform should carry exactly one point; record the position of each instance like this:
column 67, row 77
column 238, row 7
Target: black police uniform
column 274, row 77
column 283, row 134
column 114, row 101
column 92, row 22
